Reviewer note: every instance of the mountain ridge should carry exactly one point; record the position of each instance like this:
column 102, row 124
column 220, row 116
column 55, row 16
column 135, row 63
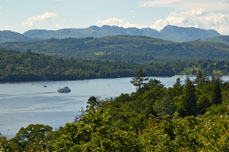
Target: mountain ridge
column 172, row 33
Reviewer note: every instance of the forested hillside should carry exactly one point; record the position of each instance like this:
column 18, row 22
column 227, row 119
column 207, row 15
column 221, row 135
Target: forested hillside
column 218, row 39
column 130, row 49
column 189, row 117
column 30, row 66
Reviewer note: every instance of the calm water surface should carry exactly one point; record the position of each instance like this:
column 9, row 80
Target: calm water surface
column 27, row 103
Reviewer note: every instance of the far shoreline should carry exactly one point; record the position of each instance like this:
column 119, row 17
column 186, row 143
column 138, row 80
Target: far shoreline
column 61, row 80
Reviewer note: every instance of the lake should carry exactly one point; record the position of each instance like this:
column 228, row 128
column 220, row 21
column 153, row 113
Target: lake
column 32, row 103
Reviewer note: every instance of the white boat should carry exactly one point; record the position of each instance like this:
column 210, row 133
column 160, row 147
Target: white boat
column 64, row 90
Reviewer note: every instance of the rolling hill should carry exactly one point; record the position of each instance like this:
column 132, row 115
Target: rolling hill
column 218, row 39
column 10, row 36
column 122, row 48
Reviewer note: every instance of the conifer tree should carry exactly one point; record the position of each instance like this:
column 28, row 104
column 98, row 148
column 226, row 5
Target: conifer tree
column 216, row 95
column 139, row 79
column 164, row 106
column 200, row 78
column 189, row 98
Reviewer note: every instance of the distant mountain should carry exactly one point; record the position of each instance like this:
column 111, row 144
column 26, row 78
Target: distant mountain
column 9, row 36
column 184, row 34
column 173, row 33
column 92, row 31
column 218, row 39
column 122, row 48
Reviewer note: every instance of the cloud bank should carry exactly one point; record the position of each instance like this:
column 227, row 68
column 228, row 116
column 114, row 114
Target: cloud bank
column 207, row 5
column 117, row 22
column 204, row 14
column 192, row 18
column 35, row 19
column 196, row 18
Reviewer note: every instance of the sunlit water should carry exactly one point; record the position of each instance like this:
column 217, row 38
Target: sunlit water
column 27, row 103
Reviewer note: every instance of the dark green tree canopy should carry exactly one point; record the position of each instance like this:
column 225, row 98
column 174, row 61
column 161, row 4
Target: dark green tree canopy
column 189, row 98
column 216, row 97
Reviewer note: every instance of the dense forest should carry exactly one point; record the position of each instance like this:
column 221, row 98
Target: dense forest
column 129, row 49
column 30, row 66
column 188, row 117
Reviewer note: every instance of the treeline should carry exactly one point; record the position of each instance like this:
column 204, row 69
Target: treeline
column 193, row 98
column 189, row 117
column 30, row 66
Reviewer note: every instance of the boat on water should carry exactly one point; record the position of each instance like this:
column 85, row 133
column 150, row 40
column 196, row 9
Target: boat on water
column 64, row 90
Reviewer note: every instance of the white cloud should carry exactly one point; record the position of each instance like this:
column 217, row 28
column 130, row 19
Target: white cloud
column 207, row 5
column 196, row 18
column 206, row 14
column 117, row 22
column 154, row 3
column 35, row 19
column 192, row 18
column 58, row 26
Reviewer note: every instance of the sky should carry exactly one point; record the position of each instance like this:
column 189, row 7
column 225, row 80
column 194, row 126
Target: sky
column 23, row 15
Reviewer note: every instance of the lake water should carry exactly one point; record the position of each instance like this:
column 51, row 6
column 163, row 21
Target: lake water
column 27, row 103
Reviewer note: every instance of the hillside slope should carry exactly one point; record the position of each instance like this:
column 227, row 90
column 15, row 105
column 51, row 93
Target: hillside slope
column 218, row 39
column 122, row 48
column 9, row 36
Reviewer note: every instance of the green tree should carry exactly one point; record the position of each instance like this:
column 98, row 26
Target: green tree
column 139, row 79
column 31, row 138
column 189, row 98
column 4, row 145
column 94, row 132
column 165, row 106
column 202, row 104
column 216, row 95
column 93, row 101
column 200, row 78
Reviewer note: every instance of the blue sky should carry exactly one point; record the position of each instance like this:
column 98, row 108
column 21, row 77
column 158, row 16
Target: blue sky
column 22, row 15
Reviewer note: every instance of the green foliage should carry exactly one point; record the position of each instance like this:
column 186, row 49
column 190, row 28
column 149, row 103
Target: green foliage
column 94, row 132
column 200, row 78
column 165, row 106
column 31, row 138
column 4, row 144
column 216, row 97
column 202, row 104
column 189, row 99
column 207, row 133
